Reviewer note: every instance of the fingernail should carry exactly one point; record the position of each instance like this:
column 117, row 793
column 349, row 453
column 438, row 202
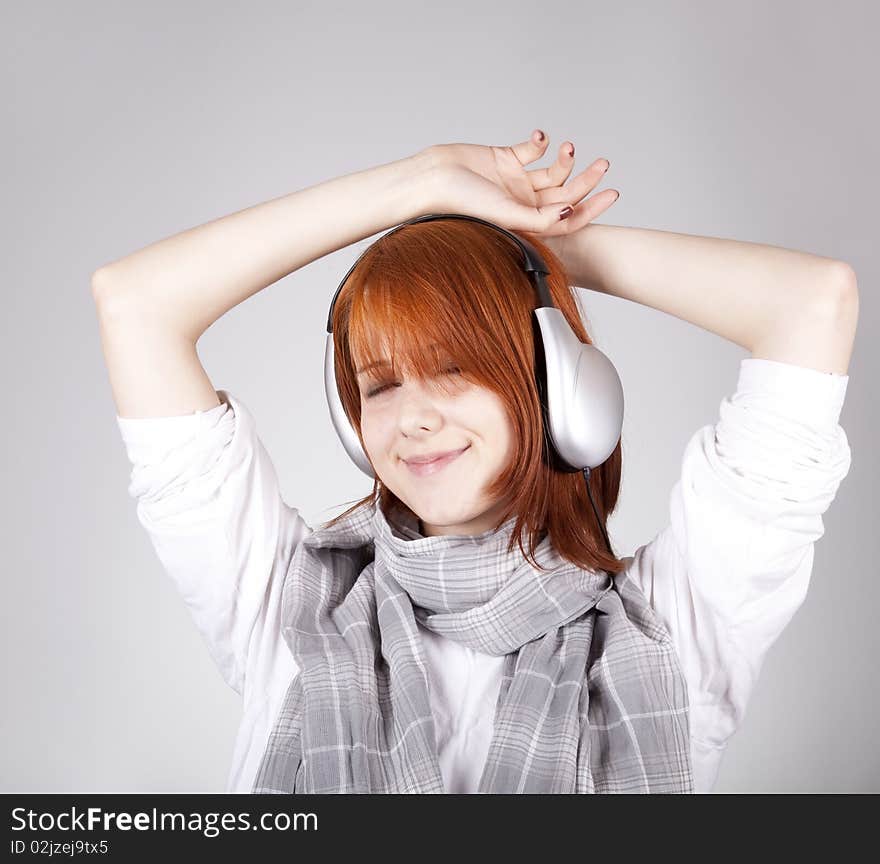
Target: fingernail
column 566, row 212
column 571, row 150
column 540, row 135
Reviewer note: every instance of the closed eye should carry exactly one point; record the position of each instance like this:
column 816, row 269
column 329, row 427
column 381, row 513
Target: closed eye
column 454, row 370
column 377, row 390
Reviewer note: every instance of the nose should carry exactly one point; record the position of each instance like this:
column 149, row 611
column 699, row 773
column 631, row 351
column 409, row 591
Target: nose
column 418, row 411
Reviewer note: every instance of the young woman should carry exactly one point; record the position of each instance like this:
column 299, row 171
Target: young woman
column 416, row 643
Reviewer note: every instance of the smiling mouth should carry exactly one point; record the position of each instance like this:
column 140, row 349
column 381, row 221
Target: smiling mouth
column 423, row 469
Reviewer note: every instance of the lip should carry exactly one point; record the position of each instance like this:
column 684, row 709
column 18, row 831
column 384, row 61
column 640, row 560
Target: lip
column 422, row 469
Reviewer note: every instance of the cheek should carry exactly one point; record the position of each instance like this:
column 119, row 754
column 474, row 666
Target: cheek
column 492, row 423
column 500, row 431
column 504, row 439
column 374, row 430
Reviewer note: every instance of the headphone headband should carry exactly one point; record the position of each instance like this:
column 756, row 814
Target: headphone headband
column 532, row 260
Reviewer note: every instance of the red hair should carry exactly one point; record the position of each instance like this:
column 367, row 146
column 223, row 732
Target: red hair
column 444, row 289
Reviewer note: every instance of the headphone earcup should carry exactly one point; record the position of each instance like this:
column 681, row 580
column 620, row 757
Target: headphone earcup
column 581, row 394
column 549, row 453
column 344, row 429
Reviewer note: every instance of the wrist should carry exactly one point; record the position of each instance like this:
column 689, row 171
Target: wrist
column 417, row 189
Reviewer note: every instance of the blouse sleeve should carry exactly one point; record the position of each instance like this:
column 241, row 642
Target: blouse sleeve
column 208, row 496
column 732, row 567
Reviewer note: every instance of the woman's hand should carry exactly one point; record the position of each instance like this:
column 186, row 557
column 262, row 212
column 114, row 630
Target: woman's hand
column 492, row 183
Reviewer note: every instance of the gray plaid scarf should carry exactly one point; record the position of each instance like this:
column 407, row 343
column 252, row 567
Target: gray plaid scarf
column 592, row 697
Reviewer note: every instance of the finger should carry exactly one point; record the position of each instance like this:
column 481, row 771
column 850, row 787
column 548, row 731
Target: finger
column 585, row 212
column 533, row 149
column 582, row 185
column 557, row 173
column 538, row 220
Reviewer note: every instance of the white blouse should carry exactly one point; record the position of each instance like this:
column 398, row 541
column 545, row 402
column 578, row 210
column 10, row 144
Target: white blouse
column 725, row 575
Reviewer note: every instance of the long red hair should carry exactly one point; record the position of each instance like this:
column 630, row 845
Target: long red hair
column 444, row 289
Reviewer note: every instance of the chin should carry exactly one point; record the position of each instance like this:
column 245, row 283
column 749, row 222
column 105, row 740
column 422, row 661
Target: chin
column 444, row 517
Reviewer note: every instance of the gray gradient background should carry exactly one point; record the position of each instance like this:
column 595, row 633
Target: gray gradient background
column 128, row 123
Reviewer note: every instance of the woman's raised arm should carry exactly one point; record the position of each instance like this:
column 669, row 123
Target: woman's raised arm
column 195, row 277
column 154, row 305
column 778, row 303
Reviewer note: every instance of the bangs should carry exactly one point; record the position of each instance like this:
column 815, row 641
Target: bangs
column 434, row 296
column 406, row 324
